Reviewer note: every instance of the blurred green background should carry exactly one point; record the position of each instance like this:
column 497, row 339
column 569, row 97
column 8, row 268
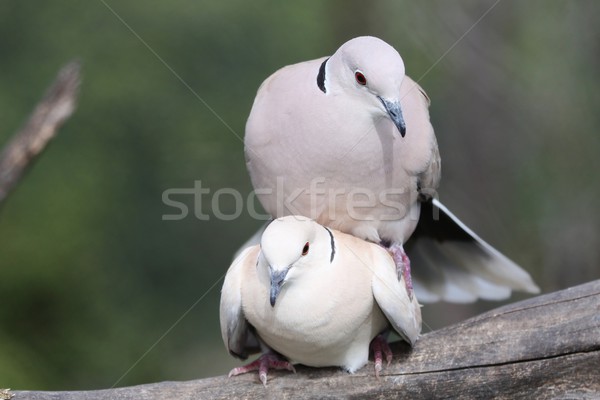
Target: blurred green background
column 97, row 290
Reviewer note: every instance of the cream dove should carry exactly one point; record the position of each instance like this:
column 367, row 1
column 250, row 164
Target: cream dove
column 346, row 140
column 317, row 296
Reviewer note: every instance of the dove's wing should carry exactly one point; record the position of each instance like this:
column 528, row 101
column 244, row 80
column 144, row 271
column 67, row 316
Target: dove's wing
column 237, row 333
column 392, row 297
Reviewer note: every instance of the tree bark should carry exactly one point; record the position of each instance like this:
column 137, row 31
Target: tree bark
column 57, row 105
column 544, row 347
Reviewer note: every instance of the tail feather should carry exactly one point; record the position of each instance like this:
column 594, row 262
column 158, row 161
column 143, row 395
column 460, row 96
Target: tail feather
column 454, row 264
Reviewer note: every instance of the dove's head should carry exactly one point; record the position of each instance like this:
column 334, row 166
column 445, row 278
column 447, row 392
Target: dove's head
column 291, row 246
column 372, row 71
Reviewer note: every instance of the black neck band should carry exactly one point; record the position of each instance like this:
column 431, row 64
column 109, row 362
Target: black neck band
column 321, row 77
column 332, row 244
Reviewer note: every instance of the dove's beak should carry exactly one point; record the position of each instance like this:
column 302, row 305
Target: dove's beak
column 395, row 112
column 277, row 281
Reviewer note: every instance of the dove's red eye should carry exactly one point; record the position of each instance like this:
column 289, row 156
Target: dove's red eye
column 360, row 78
column 305, row 249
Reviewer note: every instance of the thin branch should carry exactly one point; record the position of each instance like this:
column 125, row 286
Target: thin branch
column 56, row 106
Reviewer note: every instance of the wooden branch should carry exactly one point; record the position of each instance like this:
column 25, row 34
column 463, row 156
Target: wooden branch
column 544, row 347
column 57, row 105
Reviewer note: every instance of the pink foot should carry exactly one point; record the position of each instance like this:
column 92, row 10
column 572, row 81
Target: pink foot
column 264, row 362
column 402, row 265
column 380, row 346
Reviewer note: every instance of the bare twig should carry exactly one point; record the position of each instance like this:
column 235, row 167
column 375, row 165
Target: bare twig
column 57, row 105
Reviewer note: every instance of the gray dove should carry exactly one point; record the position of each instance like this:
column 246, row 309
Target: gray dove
column 346, row 140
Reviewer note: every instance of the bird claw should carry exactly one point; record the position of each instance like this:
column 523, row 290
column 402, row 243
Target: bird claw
column 263, row 377
column 378, row 368
column 262, row 365
column 402, row 266
column 380, row 346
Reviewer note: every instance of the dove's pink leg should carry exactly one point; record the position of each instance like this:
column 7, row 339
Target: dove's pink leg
column 380, row 346
column 264, row 362
column 402, row 265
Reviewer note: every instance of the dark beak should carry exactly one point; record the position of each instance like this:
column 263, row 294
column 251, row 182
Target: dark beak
column 395, row 112
column 277, row 281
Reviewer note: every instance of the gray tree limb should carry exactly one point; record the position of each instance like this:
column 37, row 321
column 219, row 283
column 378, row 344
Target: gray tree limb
column 56, row 106
column 544, row 347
